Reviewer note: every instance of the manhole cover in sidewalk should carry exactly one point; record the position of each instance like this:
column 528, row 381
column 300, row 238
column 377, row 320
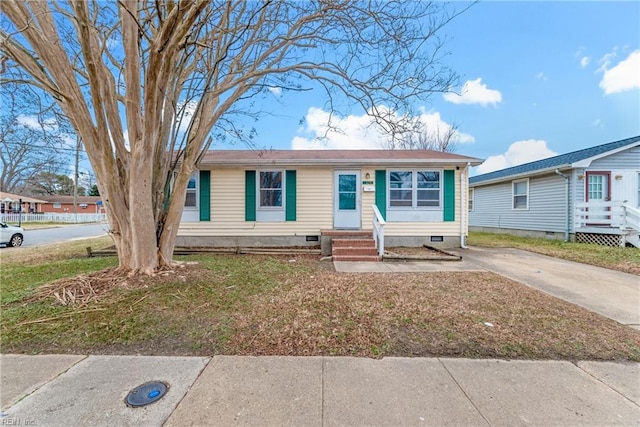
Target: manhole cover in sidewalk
column 146, row 393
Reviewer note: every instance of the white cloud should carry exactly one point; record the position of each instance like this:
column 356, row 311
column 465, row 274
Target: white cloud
column 605, row 61
column 518, row 153
column 598, row 123
column 186, row 110
column 584, row 61
column 358, row 132
column 436, row 128
column 475, row 92
column 541, row 76
column 622, row 77
column 32, row 122
column 275, row 91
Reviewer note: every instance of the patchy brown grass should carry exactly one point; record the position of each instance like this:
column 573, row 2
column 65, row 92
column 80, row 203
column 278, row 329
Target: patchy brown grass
column 278, row 305
column 435, row 314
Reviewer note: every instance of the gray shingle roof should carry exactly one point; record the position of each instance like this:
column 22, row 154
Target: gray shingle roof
column 556, row 161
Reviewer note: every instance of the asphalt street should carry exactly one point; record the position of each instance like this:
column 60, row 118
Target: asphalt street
column 59, row 234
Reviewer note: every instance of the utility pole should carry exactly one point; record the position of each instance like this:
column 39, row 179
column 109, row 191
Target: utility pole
column 75, row 182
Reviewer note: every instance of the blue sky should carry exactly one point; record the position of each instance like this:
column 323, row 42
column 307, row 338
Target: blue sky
column 540, row 78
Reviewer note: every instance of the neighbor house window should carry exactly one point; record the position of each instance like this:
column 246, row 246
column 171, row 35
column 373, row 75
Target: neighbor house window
column 471, row 194
column 191, row 200
column 270, row 189
column 639, row 190
column 57, row 205
column 521, row 194
column 414, row 189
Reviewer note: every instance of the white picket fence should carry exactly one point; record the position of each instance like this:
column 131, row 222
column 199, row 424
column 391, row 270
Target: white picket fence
column 63, row 218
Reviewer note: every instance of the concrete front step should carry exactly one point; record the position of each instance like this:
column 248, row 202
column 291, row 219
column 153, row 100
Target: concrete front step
column 355, row 251
column 353, row 243
column 371, row 258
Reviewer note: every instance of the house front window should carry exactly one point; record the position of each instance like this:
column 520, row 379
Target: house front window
column 57, row 205
column 414, row 189
column 270, row 189
column 191, row 199
column 521, row 194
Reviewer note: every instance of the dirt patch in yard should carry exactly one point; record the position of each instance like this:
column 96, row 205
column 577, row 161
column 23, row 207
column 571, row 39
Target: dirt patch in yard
column 297, row 305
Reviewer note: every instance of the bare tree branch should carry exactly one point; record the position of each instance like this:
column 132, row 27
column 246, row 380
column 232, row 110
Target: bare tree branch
column 148, row 83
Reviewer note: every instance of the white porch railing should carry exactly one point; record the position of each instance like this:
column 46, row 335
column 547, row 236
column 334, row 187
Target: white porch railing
column 66, row 218
column 378, row 230
column 611, row 214
column 631, row 217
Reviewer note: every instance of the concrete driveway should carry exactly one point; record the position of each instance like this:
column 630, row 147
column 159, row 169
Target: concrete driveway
column 613, row 294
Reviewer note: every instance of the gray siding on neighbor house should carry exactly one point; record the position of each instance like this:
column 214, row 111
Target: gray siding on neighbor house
column 627, row 159
column 547, row 206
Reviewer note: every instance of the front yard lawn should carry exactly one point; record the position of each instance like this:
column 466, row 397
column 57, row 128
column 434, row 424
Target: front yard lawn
column 292, row 305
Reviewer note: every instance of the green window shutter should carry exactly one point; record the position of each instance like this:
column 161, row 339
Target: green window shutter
column 249, row 195
column 290, row 196
column 381, row 192
column 205, row 195
column 449, row 187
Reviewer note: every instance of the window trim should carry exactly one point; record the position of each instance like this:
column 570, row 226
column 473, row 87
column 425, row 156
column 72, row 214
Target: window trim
column 282, row 189
column 513, row 195
column 414, row 190
column 196, row 190
column 471, row 199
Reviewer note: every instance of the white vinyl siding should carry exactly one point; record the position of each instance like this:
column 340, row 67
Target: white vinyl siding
column 626, row 159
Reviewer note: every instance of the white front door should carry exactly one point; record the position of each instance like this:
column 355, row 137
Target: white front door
column 598, row 191
column 346, row 199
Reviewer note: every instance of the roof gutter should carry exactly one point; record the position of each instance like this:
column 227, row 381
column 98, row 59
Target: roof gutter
column 521, row 175
column 323, row 162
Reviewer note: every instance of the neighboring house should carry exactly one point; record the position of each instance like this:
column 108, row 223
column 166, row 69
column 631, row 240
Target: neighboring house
column 10, row 203
column 591, row 195
column 293, row 198
column 65, row 204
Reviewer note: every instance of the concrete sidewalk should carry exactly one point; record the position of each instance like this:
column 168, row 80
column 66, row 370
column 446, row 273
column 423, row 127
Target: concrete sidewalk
column 610, row 293
column 317, row 391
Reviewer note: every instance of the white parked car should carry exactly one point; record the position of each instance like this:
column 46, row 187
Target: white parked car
column 11, row 235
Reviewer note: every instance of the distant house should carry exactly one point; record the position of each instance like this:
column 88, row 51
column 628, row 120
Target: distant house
column 591, row 195
column 65, row 204
column 10, row 203
column 296, row 198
